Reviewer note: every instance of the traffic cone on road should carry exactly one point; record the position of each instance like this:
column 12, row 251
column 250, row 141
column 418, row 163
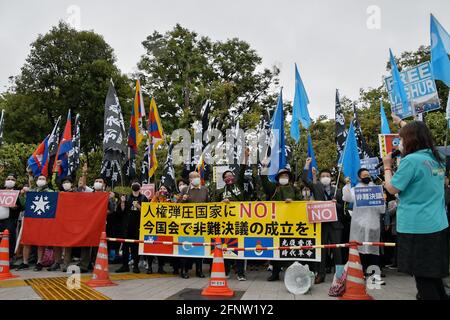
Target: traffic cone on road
column 218, row 286
column 355, row 286
column 100, row 276
column 4, row 257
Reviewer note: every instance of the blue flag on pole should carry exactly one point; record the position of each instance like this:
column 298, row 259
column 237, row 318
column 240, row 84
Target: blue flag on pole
column 299, row 108
column 311, row 154
column 398, row 88
column 350, row 161
column 278, row 145
column 384, row 122
column 440, row 49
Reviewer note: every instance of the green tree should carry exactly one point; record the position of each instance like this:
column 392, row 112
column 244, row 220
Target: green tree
column 182, row 70
column 65, row 69
column 13, row 159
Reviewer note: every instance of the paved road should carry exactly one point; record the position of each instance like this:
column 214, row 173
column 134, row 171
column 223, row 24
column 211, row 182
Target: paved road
column 398, row 287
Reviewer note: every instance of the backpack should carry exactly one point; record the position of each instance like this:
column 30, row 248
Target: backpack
column 48, row 258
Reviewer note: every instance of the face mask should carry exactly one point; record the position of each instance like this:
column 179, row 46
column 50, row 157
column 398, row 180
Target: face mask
column 183, row 189
column 325, row 181
column 305, row 194
column 366, row 180
column 163, row 193
column 98, row 186
column 283, row 181
column 196, row 182
column 229, row 180
column 135, row 187
column 41, row 183
column 67, row 186
column 10, row 184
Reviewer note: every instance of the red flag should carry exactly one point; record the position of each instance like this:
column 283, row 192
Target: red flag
column 64, row 219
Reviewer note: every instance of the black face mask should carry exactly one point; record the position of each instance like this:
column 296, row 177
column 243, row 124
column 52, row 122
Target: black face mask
column 135, row 187
column 366, row 180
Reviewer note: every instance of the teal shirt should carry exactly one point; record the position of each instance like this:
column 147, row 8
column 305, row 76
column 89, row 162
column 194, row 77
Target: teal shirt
column 420, row 180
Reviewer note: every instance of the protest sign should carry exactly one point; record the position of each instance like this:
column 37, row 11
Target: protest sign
column 238, row 224
column 8, row 198
column 321, row 211
column 370, row 196
column 388, row 143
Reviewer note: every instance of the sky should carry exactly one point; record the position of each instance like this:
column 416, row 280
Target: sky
column 340, row 44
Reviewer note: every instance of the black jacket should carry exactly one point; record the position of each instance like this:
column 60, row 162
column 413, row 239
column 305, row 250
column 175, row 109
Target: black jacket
column 320, row 195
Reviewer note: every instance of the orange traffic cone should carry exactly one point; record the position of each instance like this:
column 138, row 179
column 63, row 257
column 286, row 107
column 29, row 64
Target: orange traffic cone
column 355, row 286
column 218, row 286
column 4, row 258
column 100, row 276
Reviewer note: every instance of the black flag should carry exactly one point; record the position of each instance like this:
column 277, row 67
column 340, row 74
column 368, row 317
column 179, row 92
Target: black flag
column 341, row 132
column 168, row 177
column 53, row 142
column 74, row 153
column 114, row 144
column 363, row 148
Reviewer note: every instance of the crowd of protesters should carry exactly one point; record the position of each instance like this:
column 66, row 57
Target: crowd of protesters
column 415, row 217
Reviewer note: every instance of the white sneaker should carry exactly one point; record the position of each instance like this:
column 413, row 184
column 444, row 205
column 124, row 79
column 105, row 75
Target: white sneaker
column 241, row 278
column 376, row 279
column 270, row 268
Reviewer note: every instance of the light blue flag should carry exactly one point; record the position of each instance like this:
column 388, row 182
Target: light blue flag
column 384, row 122
column 277, row 158
column 350, row 161
column 398, row 88
column 448, row 110
column 299, row 108
column 440, row 49
column 311, row 154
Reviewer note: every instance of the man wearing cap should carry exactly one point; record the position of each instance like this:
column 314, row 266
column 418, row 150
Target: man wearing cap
column 234, row 191
column 282, row 190
column 10, row 215
column 194, row 193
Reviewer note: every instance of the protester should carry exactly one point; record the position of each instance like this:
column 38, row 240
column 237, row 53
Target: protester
column 10, row 215
column 114, row 229
column 365, row 225
column 194, row 193
column 422, row 224
column 130, row 208
column 331, row 232
column 41, row 186
column 234, row 191
column 162, row 195
column 282, row 190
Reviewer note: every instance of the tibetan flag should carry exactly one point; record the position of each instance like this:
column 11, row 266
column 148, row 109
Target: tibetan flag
column 201, row 169
column 65, row 147
column 39, row 158
column 135, row 135
column 156, row 136
column 64, row 219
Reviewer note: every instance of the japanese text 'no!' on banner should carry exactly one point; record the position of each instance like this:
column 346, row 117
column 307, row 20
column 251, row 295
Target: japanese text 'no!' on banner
column 238, row 225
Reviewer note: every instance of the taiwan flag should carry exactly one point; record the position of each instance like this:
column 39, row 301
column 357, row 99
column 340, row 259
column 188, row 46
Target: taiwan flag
column 150, row 249
column 64, row 219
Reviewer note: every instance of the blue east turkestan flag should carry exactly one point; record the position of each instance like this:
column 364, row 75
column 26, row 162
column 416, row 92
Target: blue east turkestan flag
column 398, row 88
column 384, row 122
column 278, row 145
column 440, row 49
column 311, row 154
column 299, row 108
column 350, row 161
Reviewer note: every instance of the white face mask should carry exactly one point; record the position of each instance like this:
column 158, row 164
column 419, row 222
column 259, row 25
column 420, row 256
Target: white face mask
column 41, row 183
column 283, row 181
column 326, row 181
column 196, row 182
column 305, row 194
column 98, row 186
column 67, row 186
column 183, row 188
column 10, row 184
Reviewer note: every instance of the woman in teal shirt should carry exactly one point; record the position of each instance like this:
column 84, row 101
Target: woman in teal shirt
column 423, row 249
